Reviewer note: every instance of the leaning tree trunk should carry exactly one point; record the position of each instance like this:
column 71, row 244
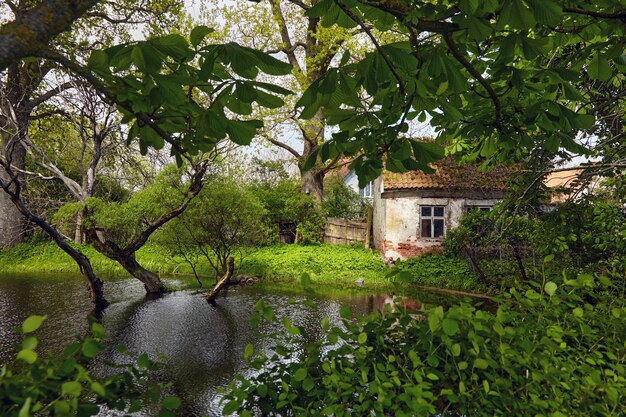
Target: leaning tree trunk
column 126, row 259
column 151, row 282
column 230, row 268
column 94, row 284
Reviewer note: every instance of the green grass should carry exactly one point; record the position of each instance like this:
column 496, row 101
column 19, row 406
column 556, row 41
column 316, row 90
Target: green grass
column 330, row 267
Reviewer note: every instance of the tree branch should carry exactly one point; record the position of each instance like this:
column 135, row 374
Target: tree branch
column 284, row 34
column 285, row 147
column 367, row 30
column 51, row 93
column 195, row 186
column 33, row 29
column 454, row 49
column 621, row 15
column 300, row 4
column 102, row 88
column 287, row 51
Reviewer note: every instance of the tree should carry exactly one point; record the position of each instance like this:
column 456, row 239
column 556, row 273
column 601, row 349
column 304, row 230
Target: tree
column 286, row 29
column 498, row 79
column 178, row 91
column 224, row 219
column 31, row 83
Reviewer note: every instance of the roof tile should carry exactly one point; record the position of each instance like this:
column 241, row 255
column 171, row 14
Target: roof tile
column 450, row 175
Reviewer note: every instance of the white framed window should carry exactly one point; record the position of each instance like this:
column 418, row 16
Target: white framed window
column 367, row 191
column 432, row 221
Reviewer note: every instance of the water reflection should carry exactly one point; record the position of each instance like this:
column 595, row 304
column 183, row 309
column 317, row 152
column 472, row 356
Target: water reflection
column 201, row 345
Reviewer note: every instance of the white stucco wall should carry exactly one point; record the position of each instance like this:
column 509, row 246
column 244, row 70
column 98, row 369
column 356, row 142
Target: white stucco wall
column 399, row 234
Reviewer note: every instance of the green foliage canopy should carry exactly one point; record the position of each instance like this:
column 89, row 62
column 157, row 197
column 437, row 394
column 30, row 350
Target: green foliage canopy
column 496, row 78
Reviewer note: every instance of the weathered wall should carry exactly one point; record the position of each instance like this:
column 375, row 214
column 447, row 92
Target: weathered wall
column 379, row 222
column 398, row 227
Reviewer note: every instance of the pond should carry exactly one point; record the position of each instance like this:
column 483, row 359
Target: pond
column 201, row 345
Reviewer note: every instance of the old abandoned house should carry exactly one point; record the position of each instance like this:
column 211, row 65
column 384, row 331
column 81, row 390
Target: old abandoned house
column 413, row 211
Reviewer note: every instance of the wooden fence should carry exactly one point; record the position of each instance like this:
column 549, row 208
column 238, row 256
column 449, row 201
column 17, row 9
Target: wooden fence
column 345, row 232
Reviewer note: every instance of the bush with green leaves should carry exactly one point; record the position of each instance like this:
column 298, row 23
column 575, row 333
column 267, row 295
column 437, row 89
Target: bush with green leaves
column 342, row 201
column 223, row 220
column 310, row 230
column 63, row 386
column 554, row 348
column 439, row 271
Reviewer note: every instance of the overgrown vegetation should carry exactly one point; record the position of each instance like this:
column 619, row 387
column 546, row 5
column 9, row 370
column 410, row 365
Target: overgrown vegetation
column 502, row 247
column 64, row 386
column 439, row 271
column 550, row 348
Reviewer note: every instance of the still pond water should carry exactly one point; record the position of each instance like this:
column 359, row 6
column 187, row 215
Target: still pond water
column 201, row 345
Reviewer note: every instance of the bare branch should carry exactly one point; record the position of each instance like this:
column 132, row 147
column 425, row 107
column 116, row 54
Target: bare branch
column 284, row 146
column 286, row 50
column 284, row 34
column 51, row 93
column 300, row 4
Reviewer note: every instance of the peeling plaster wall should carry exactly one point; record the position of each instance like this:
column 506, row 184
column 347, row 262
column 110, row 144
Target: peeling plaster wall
column 396, row 230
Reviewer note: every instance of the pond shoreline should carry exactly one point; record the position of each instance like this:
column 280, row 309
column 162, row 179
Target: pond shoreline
column 334, row 268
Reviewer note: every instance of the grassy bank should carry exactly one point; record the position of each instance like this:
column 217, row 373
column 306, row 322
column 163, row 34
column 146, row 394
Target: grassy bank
column 328, row 266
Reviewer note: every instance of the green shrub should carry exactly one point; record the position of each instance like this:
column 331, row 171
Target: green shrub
column 310, row 230
column 439, row 271
column 341, row 200
column 554, row 349
column 63, row 386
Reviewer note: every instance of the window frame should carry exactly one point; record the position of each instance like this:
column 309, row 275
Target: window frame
column 432, row 218
column 370, row 186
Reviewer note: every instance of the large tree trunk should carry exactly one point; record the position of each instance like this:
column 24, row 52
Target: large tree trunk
column 313, row 179
column 11, row 220
column 14, row 119
column 313, row 184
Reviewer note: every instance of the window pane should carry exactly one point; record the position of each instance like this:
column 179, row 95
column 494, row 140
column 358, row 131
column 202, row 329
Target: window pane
column 439, row 211
column 485, row 209
column 369, row 189
column 426, row 231
column 438, row 228
column 426, row 211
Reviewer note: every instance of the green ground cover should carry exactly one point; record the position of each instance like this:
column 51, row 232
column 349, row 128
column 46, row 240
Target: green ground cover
column 331, row 266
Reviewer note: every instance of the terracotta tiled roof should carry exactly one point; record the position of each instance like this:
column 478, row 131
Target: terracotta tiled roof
column 449, row 175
